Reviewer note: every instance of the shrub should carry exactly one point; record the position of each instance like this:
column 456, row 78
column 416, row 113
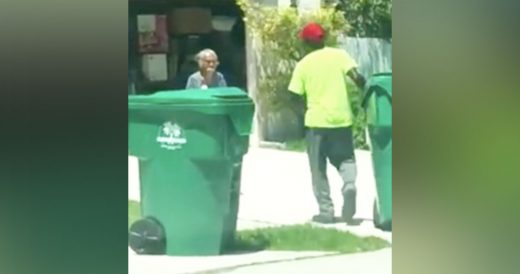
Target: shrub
column 368, row 18
column 276, row 29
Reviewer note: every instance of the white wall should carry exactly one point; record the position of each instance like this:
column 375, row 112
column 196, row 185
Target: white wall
column 372, row 55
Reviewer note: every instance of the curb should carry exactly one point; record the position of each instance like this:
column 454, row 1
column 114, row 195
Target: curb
column 264, row 144
column 230, row 268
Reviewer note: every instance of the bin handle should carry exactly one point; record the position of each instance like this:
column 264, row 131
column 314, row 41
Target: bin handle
column 231, row 97
column 369, row 93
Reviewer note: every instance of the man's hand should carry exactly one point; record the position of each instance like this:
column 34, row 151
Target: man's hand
column 357, row 78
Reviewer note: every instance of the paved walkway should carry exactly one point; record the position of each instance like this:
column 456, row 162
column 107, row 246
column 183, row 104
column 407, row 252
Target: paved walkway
column 139, row 264
column 378, row 262
column 276, row 190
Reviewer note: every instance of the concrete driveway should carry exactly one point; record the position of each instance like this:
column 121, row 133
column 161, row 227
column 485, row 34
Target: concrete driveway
column 276, row 190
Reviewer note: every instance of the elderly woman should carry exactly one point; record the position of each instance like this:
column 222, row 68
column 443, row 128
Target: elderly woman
column 207, row 76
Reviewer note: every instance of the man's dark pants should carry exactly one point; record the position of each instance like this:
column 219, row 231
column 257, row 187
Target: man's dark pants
column 337, row 146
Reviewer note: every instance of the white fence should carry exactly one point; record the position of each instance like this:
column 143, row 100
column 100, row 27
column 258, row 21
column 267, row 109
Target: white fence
column 372, row 55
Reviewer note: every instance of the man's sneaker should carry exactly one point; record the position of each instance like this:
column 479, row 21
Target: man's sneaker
column 323, row 219
column 349, row 206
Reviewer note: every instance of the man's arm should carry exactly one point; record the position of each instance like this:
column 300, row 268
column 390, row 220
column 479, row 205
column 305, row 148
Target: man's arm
column 349, row 66
column 358, row 79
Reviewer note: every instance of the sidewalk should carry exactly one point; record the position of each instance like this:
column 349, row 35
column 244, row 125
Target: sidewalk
column 276, row 190
column 139, row 264
column 378, row 262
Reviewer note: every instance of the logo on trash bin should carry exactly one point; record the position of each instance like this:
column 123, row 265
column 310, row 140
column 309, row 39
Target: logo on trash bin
column 171, row 136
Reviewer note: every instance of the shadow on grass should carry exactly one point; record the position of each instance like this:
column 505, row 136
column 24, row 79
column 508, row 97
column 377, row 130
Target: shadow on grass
column 251, row 244
column 304, row 237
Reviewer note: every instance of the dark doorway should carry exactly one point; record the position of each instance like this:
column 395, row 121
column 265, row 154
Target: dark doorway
column 228, row 42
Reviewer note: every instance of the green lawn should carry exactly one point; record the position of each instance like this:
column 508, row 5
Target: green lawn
column 133, row 212
column 306, row 237
column 299, row 146
column 303, row 237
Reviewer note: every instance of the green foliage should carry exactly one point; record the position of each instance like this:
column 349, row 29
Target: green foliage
column 134, row 212
column 296, row 145
column 368, row 18
column 359, row 123
column 308, row 237
column 295, row 237
column 276, row 29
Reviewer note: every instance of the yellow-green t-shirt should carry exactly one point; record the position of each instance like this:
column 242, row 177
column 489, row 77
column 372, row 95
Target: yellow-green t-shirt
column 321, row 77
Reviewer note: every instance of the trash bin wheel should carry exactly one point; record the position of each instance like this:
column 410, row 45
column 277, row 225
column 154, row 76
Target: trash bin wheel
column 147, row 236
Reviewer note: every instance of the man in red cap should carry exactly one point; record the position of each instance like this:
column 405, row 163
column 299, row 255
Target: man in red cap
column 319, row 80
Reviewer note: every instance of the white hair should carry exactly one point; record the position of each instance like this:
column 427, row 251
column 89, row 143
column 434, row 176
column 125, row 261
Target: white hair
column 205, row 52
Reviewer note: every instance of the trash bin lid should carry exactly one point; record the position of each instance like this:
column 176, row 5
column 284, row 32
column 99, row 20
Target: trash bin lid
column 229, row 101
column 192, row 97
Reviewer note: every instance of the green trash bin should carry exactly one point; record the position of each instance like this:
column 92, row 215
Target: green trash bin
column 190, row 145
column 378, row 104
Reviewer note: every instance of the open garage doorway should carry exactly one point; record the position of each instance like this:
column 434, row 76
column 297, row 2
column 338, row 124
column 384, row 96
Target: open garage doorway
column 178, row 29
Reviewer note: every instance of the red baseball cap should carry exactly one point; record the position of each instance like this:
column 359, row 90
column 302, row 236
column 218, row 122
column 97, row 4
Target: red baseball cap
column 312, row 32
